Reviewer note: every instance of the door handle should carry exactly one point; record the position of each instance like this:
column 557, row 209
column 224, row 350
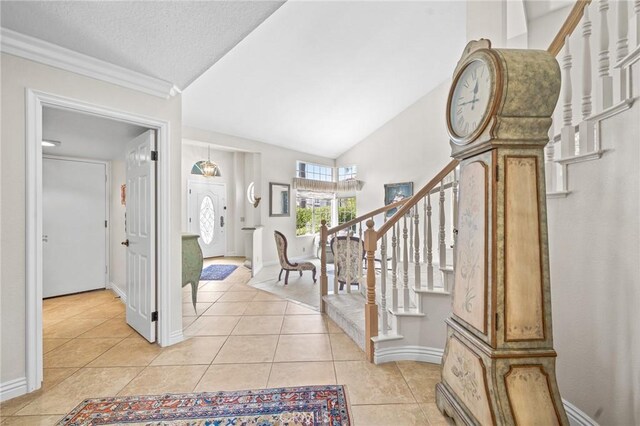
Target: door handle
column 125, row 242
column 221, row 221
column 45, row 238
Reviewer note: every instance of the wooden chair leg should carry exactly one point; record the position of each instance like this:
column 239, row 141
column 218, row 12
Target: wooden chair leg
column 280, row 276
column 286, row 278
column 300, row 273
column 313, row 272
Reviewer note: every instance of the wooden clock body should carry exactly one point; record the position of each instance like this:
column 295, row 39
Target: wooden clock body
column 499, row 362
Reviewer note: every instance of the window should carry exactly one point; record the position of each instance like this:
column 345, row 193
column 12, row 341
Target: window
column 314, row 171
column 309, row 214
column 345, row 173
column 207, row 220
column 346, row 210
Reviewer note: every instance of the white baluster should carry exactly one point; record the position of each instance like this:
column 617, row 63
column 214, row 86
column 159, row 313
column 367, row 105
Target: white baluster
column 622, row 49
column 636, row 8
column 568, row 139
column 585, row 128
column 429, row 251
column 424, row 235
column 405, row 266
column 394, row 270
column 416, row 240
column 605, row 88
column 442, row 245
column 454, row 195
column 550, row 164
column 336, row 284
column 383, row 284
column 362, row 282
column 348, row 265
column 411, row 233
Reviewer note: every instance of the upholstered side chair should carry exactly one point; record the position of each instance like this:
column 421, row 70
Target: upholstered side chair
column 347, row 268
column 286, row 265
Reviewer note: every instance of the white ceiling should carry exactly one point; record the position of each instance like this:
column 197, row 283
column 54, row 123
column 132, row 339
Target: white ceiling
column 321, row 76
column 175, row 41
column 86, row 136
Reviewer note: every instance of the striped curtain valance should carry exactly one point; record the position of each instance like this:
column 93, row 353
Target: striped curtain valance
column 349, row 185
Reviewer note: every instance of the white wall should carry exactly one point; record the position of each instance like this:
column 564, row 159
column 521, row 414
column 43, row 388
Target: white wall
column 17, row 75
column 117, row 232
column 231, row 167
column 275, row 164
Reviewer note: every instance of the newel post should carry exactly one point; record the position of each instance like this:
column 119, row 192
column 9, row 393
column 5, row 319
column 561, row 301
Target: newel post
column 323, row 264
column 370, row 309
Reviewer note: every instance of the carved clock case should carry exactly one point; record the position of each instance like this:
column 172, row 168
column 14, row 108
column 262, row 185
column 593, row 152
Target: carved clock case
column 499, row 362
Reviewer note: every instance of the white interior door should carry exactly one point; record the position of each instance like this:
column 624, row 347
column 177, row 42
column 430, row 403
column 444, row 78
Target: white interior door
column 141, row 235
column 74, row 237
column 207, row 216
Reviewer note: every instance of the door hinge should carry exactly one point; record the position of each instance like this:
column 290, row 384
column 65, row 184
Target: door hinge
column 154, row 155
column 154, row 316
column 189, row 220
column 105, row 224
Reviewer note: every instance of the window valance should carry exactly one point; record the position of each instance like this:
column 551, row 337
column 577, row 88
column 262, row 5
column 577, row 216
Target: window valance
column 312, row 185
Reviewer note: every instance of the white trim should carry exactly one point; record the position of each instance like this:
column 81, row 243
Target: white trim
column 613, row 110
column 630, row 59
column 292, row 259
column 176, row 337
column 558, row 194
column 107, row 203
column 577, row 417
column 117, row 290
column 37, row 50
column 13, row 388
column 190, row 225
column 595, row 155
column 408, row 353
column 36, row 100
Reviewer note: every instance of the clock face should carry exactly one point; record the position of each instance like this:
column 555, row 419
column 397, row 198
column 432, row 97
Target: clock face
column 469, row 104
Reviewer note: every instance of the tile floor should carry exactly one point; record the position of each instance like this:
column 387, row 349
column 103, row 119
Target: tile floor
column 240, row 338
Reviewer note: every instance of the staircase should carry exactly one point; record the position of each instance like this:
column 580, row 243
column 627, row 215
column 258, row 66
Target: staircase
column 398, row 309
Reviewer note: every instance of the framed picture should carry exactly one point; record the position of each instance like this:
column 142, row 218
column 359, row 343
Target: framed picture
column 394, row 192
column 279, row 199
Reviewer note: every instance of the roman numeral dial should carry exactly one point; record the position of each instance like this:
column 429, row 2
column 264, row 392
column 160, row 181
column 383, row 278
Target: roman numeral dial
column 469, row 101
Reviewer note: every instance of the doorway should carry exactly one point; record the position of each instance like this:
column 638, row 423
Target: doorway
column 36, row 103
column 207, row 216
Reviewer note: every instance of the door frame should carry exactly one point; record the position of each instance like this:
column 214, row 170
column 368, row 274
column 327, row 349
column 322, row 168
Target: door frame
column 35, row 102
column 107, row 229
column 204, row 182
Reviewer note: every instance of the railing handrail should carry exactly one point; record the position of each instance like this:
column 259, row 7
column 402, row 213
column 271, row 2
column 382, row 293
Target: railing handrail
column 366, row 216
column 423, row 192
column 568, row 26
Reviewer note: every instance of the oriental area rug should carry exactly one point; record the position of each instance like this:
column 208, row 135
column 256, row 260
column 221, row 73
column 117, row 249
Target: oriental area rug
column 299, row 406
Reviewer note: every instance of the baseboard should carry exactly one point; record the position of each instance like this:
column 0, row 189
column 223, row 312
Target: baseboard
column 576, row 416
column 117, row 290
column 175, row 337
column 13, row 388
column 409, row 353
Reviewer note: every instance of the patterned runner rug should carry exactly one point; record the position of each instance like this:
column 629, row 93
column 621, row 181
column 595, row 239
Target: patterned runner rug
column 217, row 272
column 301, row 406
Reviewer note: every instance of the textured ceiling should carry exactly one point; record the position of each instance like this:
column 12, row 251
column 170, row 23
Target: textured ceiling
column 175, row 41
column 321, row 76
column 86, row 136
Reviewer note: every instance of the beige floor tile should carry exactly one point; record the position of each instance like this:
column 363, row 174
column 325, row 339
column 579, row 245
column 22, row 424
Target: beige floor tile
column 53, row 376
column 434, row 416
column 12, row 406
column 386, row 415
column 215, row 286
column 242, row 287
column 165, row 379
column 207, row 296
column 195, row 350
column 345, row 349
column 187, row 321
column 422, row 378
column 227, row 308
column 32, row 421
column 48, row 322
column 104, row 311
column 333, row 327
column 297, row 309
column 304, row 324
column 230, row 377
column 187, row 308
column 237, row 296
column 117, row 327
column 247, row 349
column 263, row 296
column 86, row 383
column 212, row 326
column 65, row 311
column 285, row 374
column 132, row 351
column 303, row 347
column 71, row 327
column 50, row 344
column 253, row 325
column 373, row 384
column 78, row 352
column 266, row 308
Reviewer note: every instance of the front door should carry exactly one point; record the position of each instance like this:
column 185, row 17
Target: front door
column 141, row 234
column 74, row 228
column 207, row 216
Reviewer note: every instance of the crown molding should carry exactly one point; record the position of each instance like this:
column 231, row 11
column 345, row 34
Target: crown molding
column 34, row 49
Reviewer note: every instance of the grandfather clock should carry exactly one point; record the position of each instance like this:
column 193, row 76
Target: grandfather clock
column 499, row 362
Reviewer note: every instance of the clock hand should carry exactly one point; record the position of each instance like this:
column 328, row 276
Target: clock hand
column 475, row 92
column 470, row 102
